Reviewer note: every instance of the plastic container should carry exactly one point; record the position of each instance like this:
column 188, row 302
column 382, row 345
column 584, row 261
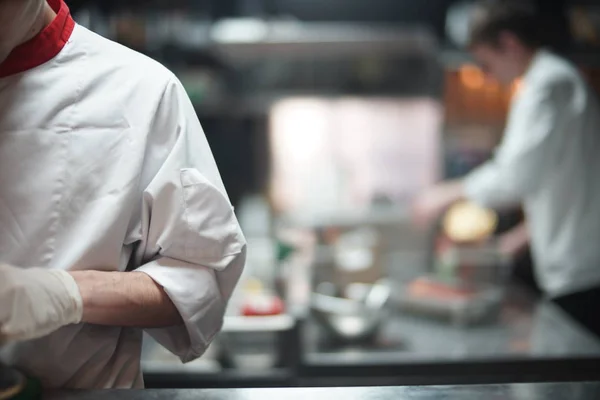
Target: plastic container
column 252, row 343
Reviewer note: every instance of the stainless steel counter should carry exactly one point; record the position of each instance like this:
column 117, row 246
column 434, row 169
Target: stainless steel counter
column 558, row 391
column 532, row 341
column 528, row 328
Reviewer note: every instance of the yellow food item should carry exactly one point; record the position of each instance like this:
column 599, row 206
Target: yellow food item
column 468, row 222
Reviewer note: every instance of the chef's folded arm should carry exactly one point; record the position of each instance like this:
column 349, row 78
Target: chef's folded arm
column 190, row 241
column 529, row 151
column 186, row 236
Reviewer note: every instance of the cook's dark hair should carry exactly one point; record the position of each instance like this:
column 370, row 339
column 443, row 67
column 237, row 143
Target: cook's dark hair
column 492, row 18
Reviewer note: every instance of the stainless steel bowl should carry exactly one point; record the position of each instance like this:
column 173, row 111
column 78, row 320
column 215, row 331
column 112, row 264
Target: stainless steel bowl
column 351, row 320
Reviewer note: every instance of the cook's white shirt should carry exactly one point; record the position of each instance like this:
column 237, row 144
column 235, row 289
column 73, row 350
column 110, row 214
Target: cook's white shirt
column 549, row 160
column 104, row 166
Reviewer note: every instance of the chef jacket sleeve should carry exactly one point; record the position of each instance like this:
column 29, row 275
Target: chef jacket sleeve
column 187, row 237
column 536, row 130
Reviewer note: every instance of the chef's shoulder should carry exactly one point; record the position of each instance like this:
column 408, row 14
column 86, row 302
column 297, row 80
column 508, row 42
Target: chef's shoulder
column 557, row 77
column 122, row 71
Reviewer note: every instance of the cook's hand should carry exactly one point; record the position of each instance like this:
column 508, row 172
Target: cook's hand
column 514, row 242
column 434, row 201
column 35, row 302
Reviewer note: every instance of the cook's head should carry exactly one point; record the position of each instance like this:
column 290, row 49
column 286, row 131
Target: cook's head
column 18, row 22
column 503, row 36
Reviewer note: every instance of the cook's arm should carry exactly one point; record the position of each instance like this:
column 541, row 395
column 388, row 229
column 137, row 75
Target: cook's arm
column 125, row 299
column 189, row 240
column 189, row 246
column 532, row 143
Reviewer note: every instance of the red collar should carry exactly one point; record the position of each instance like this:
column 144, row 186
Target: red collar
column 43, row 47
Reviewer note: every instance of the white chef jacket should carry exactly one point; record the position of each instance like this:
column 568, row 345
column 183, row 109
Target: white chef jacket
column 549, row 160
column 104, row 166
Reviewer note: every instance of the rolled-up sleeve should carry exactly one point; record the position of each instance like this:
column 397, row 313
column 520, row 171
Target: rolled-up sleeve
column 188, row 238
column 536, row 130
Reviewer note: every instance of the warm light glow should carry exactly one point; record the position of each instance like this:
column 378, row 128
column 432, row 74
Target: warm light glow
column 471, row 77
column 492, row 87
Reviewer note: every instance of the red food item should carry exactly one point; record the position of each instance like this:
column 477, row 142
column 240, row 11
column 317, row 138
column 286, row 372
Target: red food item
column 263, row 305
column 424, row 287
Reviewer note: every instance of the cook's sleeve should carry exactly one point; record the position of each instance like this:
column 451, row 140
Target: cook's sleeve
column 188, row 238
column 536, row 130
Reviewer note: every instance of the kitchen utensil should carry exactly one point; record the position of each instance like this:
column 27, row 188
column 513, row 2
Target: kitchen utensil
column 350, row 320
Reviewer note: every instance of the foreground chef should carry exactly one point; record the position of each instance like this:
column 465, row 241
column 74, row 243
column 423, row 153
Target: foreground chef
column 548, row 160
column 113, row 217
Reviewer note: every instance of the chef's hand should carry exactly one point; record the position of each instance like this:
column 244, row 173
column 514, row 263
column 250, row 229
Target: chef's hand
column 432, row 203
column 514, row 242
column 35, row 302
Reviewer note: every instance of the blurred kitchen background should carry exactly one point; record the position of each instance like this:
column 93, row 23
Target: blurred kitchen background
column 326, row 117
